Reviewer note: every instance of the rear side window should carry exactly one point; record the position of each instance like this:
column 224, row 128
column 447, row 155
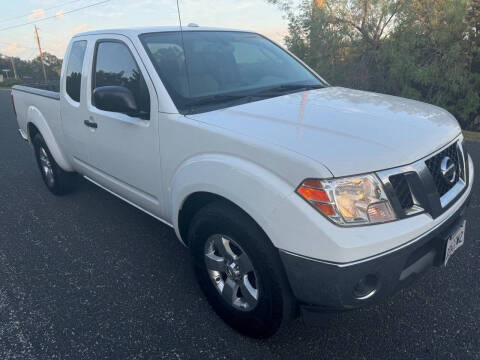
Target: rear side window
column 115, row 66
column 74, row 69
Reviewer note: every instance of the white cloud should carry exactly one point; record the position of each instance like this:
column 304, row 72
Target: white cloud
column 60, row 13
column 37, row 14
column 14, row 49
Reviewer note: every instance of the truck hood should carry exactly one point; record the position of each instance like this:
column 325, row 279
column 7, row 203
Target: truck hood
column 348, row 131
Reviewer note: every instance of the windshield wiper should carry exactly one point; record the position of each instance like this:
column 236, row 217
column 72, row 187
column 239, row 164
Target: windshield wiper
column 285, row 88
column 215, row 99
column 222, row 98
column 250, row 96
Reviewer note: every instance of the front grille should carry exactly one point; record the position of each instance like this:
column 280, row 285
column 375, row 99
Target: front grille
column 461, row 161
column 402, row 190
column 420, row 187
column 434, row 163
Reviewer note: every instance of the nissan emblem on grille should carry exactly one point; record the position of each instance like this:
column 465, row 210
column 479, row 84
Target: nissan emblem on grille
column 448, row 170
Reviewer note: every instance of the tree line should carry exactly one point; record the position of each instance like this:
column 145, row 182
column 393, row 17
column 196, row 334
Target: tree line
column 30, row 71
column 428, row 50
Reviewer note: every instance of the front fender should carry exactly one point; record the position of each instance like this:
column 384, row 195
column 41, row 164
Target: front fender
column 35, row 117
column 254, row 189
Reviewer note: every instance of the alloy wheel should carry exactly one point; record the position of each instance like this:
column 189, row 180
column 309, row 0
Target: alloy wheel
column 231, row 272
column 46, row 166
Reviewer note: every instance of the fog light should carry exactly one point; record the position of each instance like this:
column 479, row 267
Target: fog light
column 366, row 287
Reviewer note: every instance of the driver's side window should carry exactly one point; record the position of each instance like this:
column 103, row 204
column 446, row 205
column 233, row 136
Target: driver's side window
column 115, row 66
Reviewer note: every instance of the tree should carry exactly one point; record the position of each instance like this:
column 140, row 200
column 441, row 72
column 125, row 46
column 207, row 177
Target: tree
column 429, row 58
column 421, row 49
column 473, row 18
column 30, row 71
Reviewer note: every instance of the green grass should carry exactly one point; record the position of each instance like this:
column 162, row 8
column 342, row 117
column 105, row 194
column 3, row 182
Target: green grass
column 472, row 135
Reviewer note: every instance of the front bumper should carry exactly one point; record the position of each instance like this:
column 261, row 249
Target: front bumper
column 322, row 285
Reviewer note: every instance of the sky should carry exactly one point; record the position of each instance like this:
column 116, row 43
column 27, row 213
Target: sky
column 255, row 15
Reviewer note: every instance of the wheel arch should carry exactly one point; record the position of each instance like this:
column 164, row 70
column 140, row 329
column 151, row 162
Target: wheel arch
column 216, row 177
column 36, row 123
column 32, row 130
column 196, row 201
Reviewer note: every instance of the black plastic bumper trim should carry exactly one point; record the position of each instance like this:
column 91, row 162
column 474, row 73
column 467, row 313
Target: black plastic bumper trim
column 330, row 285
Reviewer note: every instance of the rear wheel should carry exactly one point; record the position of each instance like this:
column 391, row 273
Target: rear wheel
column 239, row 271
column 57, row 180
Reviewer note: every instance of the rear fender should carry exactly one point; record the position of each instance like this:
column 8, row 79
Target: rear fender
column 35, row 117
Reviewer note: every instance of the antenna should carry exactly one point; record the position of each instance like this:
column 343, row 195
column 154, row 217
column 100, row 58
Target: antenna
column 183, row 46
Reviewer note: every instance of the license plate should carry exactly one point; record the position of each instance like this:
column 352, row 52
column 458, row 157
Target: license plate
column 454, row 242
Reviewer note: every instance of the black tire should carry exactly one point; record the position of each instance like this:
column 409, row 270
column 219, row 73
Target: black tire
column 60, row 182
column 275, row 305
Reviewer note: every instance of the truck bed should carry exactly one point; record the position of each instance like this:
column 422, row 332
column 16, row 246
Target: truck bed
column 38, row 104
column 50, row 90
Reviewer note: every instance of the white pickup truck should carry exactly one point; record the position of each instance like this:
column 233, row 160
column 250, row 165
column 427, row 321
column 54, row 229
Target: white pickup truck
column 294, row 196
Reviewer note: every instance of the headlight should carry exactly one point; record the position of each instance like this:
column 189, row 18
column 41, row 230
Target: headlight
column 357, row 200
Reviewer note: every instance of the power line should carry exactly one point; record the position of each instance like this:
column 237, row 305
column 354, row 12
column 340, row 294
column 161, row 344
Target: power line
column 54, row 16
column 50, row 8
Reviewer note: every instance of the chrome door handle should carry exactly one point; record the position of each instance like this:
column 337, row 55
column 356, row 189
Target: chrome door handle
column 91, row 124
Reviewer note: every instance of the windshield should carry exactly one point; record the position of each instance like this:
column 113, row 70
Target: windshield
column 217, row 69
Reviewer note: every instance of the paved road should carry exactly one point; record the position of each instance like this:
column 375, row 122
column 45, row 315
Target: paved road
column 89, row 277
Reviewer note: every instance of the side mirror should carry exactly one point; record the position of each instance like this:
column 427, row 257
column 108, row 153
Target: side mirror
column 115, row 98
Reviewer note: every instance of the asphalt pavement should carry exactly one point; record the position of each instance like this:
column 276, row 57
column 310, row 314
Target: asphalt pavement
column 87, row 276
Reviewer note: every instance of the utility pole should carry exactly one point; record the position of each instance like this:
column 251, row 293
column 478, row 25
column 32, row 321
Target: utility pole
column 41, row 54
column 13, row 67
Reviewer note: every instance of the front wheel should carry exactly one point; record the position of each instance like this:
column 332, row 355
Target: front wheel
column 57, row 180
column 239, row 271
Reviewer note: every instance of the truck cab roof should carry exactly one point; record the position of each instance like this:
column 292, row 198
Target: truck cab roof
column 135, row 31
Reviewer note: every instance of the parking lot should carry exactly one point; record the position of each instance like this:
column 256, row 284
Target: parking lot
column 87, row 276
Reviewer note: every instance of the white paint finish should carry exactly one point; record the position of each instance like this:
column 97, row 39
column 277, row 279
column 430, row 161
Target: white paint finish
column 252, row 187
column 185, row 143
column 123, row 152
column 348, row 131
column 254, row 154
column 47, row 121
column 300, row 230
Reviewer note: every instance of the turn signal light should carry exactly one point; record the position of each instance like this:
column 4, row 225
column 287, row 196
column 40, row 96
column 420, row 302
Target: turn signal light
column 347, row 201
column 312, row 191
column 313, row 194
